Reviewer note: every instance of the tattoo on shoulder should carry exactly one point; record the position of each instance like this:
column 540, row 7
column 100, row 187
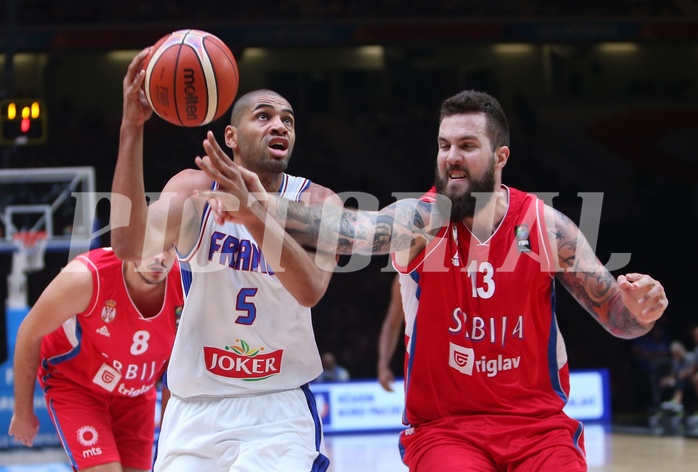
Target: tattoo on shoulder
column 574, row 252
column 562, row 226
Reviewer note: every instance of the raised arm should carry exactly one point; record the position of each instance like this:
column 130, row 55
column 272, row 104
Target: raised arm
column 626, row 307
column 68, row 294
column 133, row 221
column 129, row 210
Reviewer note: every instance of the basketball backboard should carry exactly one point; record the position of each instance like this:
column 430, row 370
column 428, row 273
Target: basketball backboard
column 60, row 201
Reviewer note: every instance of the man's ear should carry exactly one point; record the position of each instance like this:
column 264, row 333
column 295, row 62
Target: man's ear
column 231, row 137
column 501, row 157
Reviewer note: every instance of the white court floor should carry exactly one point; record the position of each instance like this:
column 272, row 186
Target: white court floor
column 606, row 452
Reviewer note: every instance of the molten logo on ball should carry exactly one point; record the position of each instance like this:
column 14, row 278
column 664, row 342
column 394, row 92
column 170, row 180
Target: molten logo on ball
column 191, row 78
column 191, row 99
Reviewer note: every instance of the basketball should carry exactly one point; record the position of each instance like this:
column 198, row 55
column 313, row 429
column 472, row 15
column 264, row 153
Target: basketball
column 191, row 78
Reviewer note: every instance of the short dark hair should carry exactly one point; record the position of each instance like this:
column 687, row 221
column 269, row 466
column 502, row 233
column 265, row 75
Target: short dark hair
column 472, row 101
column 246, row 101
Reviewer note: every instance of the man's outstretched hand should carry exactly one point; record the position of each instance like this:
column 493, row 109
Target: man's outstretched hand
column 236, row 184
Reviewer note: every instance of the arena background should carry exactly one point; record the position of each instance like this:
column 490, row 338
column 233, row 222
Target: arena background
column 601, row 97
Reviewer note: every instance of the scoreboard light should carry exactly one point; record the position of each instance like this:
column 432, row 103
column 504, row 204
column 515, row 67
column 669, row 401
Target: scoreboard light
column 23, row 121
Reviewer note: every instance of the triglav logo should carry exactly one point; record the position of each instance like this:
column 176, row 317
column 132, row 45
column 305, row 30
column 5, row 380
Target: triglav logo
column 107, row 377
column 463, row 360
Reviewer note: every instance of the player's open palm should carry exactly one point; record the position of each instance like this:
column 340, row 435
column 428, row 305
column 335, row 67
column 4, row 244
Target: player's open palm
column 643, row 296
column 24, row 429
column 238, row 186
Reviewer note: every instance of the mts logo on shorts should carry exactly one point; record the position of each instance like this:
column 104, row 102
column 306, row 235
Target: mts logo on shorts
column 242, row 362
column 463, row 360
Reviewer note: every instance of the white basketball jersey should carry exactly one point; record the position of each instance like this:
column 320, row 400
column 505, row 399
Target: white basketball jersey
column 241, row 332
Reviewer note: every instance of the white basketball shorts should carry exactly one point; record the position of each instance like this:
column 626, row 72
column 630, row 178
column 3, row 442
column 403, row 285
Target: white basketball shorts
column 279, row 431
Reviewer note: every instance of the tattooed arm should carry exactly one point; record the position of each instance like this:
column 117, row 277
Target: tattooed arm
column 627, row 307
column 404, row 226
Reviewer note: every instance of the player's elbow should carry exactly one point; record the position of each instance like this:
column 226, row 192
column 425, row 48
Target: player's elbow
column 124, row 249
column 311, row 293
column 310, row 298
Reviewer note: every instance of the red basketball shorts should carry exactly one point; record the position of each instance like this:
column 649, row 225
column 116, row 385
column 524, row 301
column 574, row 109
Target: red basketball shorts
column 99, row 428
column 495, row 444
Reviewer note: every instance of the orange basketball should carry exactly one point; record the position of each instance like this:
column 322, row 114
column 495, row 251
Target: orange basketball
column 191, row 78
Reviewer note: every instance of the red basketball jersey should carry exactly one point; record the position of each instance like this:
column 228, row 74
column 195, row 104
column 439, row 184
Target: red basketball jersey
column 111, row 347
column 481, row 332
